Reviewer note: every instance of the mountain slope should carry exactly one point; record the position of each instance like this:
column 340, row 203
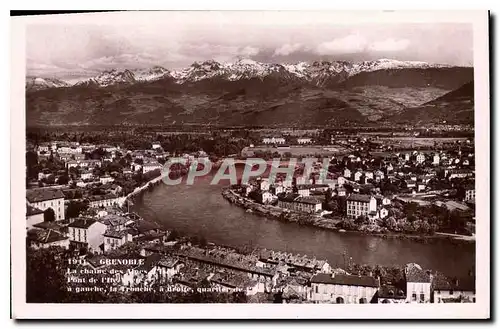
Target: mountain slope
column 448, row 78
column 248, row 92
column 456, row 106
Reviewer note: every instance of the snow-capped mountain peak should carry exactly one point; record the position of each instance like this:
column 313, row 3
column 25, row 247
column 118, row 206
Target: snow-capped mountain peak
column 37, row 83
column 154, row 73
column 318, row 72
column 114, row 76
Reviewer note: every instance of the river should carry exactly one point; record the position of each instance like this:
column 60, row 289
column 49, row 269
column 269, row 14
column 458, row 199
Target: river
column 201, row 210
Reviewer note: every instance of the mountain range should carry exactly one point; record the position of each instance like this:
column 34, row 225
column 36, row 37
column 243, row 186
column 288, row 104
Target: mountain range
column 247, row 92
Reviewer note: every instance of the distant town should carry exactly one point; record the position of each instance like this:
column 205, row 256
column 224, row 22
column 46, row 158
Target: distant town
column 82, row 184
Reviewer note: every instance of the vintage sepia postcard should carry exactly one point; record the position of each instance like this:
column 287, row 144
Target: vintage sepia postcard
column 250, row 164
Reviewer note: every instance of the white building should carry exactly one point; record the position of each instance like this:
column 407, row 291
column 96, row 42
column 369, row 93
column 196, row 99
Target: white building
column 420, row 158
column 83, row 163
column 86, row 175
column 106, row 179
column 368, row 175
column 273, row 140
column 98, row 201
column 357, row 176
column 114, row 239
column 47, row 238
column 360, row 205
column 87, row 233
column 418, row 284
column 33, row 216
column 70, row 149
column 470, row 194
column 343, row 288
column 460, row 290
column 150, row 166
column 436, row 159
column 304, row 140
column 264, row 184
column 265, row 197
column 44, row 199
column 299, row 203
column 303, row 190
column 379, row 175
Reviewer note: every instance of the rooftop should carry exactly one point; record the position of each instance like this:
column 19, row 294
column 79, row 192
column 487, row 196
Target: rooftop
column 82, row 223
column 115, row 234
column 359, row 197
column 345, row 279
column 389, row 291
column 39, row 195
column 30, row 211
column 414, row 273
column 45, row 236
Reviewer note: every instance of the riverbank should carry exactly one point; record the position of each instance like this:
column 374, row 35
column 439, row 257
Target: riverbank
column 142, row 188
column 286, row 215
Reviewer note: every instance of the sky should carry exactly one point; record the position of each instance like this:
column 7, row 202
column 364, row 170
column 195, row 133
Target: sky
column 75, row 48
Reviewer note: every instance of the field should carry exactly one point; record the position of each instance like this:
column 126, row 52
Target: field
column 416, row 142
column 297, row 151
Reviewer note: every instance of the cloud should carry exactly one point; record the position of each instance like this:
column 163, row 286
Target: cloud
column 352, row 43
column 217, row 52
column 287, row 49
column 389, row 45
column 248, row 51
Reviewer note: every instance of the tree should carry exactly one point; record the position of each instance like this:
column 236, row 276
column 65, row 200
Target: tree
column 361, row 220
column 49, row 215
column 174, row 235
column 45, row 278
column 32, row 164
column 63, row 180
column 75, row 208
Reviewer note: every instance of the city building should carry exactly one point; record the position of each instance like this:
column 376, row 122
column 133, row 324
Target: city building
column 303, row 190
column 83, row 163
column 87, row 174
column 277, row 189
column 150, row 166
column 299, row 203
column 33, row 216
column 360, row 205
column 341, row 191
column 44, row 199
column 436, row 159
column 106, row 179
column 98, row 201
column 38, row 239
column 357, row 176
column 388, row 294
column 114, row 239
column 265, row 197
column 420, row 158
column 454, row 290
column 343, row 288
column 273, row 140
column 418, row 284
column 470, row 192
column 304, row 140
column 264, row 184
column 87, row 233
